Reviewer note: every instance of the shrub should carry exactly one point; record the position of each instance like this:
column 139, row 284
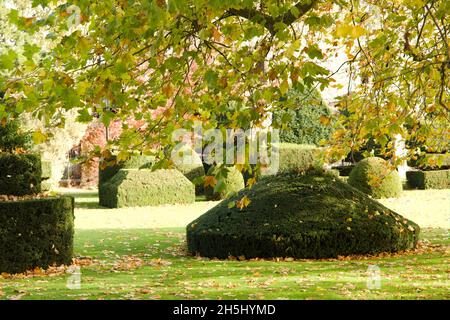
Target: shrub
column 228, row 186
column 20, row 174
column 299, row 157
column 304, row 125
column 36, row 233
column 108, row 168
column 143, row 187
column 374, row 177
column 12, row 138
column 300, row 216
column 436, row 179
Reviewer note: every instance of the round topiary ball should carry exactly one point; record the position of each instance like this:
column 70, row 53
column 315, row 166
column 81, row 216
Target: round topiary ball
column 300, row 216
column 232, row 183
column 374, row 177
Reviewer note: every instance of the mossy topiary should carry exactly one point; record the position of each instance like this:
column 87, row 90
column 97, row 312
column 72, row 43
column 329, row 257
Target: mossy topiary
column 143, row 187
column 36, row 233
column 374, row 177
column 226, row 187
column 300, row 216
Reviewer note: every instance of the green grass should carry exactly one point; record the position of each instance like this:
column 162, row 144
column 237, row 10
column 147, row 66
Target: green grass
column 152, row 264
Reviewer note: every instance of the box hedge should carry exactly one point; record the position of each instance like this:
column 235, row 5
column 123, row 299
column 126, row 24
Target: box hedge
column 433, row 179
column 36, row 233
column 301, row 216
column 20, row 174
column 374, row 177
column 143, row 187
column 298, row 158
column 226, row 187
column 109, row 167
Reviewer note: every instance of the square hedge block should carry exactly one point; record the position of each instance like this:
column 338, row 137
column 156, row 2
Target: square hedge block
column 434, row 179
column 144, row 187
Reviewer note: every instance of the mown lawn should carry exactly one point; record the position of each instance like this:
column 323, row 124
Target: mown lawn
column 152, row 264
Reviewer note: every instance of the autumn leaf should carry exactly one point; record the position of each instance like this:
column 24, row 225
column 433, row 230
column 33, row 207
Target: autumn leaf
column 243, row 203
column 210, row 181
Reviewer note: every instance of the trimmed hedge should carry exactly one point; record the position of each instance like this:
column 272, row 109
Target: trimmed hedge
column 20, row 174
column 374, row 177
column 108, row 168
column 436, row 179
column 299, row 158
column 233, row 182
column 36, row 233
column 300, row 216
column 143, row 187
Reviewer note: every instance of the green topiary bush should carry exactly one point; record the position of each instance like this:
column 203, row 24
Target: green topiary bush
column 298, row 157
column 374, row 177
column 231, row 184
column 108, row 168
column 36, row 233
column 304, row 125
column 20, row 174
column 13, row 138
column 143, row 187
column 435, row 179
column 300, row 216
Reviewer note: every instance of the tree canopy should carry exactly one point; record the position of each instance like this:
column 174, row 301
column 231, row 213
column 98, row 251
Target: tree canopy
column 175, row 62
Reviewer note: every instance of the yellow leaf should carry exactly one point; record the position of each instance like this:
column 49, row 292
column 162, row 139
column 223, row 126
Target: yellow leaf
column 325, row 120
column 39, row 137
column 243, row 203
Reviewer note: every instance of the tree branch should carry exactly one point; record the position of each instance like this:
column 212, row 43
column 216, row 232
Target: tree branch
column 268, row 21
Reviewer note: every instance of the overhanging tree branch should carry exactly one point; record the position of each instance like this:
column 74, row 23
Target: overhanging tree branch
column 269, row 22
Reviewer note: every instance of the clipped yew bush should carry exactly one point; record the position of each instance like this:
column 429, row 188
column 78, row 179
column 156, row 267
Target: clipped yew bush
column 374, row 177
column 20, row 174
column 36, row 233
column 298, row 157
column 300, row 216
column 433, row 179
column 143, row 187
column 226, row 187
column 109, row 167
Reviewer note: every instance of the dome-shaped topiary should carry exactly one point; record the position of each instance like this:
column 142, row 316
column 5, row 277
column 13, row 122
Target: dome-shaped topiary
column 228, row 186
column 300, row 216
column 374, row 177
